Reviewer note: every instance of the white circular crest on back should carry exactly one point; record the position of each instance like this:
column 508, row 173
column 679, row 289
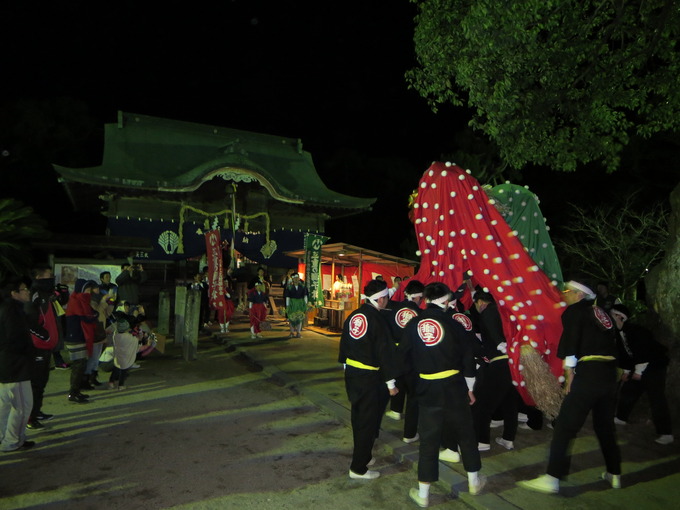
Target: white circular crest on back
column 358, row 325
column 403, row 316
column 430, row 332
column 464, row 320
column 603, row 317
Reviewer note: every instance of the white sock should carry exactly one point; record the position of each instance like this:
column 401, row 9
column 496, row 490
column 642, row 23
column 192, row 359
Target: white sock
column 473, row 477
column 423, row 490
column 226, row 326
column 554, row 481
column 252, row 330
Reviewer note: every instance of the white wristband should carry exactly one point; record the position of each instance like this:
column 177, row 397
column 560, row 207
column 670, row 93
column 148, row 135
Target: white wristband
column 570, row 361
column 640, row 367
column 470, row 381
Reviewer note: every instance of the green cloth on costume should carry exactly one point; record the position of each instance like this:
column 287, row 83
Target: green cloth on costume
column 296, row 311
column 519, row 207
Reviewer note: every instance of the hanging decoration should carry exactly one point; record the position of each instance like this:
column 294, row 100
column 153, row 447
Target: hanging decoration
column 227, row 213
column 268, row 249
column 213, row 247
column 168, row 241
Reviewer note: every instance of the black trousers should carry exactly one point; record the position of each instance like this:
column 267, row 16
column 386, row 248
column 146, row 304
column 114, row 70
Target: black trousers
column 205, row 309
column 397, row 402
column 593, row 389
column 411, row 412
column 77, row 372
column 653, row 382
column 39, row 378
column 534, row 415
column 407, row 388
column 119, row 375
column 495, row 393
column 58, row 358
column 444, row 425
column 368, row 396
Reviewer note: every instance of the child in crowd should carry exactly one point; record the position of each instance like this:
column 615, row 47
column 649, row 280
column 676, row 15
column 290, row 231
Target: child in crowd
column 125, row 348
column 225, row 314
column 104, row 308
column 258, row 310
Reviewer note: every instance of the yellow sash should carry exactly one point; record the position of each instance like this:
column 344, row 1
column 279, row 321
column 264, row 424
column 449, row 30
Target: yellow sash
column 359, row 364
column 505, row 356
column 439, row 375
column 597, row 357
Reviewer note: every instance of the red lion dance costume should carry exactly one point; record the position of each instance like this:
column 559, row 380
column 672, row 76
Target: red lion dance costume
column 458, row 230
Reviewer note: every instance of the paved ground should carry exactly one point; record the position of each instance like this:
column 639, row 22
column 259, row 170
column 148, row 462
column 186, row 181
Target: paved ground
column 264, row 424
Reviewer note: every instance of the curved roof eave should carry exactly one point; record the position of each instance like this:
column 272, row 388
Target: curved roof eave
column 154, row 154
column 95, row 177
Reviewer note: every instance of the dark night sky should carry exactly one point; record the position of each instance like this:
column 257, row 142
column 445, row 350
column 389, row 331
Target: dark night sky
column 330, row 73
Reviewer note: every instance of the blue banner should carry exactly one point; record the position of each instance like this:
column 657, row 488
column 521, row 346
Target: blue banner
column 165, row 239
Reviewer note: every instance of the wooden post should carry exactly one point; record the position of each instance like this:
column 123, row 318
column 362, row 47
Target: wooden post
column 164, row 312
column 357, row 292
column 333, row 296
column 180, row 309
column 192, row 319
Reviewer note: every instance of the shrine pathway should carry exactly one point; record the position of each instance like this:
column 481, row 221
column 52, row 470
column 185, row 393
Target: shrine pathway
column 264, row 424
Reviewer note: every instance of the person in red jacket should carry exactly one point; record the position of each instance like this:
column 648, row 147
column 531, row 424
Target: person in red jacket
column 42, row 315
column 80, row 328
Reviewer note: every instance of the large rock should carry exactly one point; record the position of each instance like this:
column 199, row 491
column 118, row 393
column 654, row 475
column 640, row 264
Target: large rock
column 663, row 298
column 663, row 281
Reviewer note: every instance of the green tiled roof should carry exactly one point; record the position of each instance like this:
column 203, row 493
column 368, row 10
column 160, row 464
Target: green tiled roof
column 151, row 153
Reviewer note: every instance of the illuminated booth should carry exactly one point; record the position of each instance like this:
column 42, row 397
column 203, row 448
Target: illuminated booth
column 358, row 266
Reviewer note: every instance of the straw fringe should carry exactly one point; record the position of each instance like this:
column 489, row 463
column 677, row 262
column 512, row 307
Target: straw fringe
column 541, row 384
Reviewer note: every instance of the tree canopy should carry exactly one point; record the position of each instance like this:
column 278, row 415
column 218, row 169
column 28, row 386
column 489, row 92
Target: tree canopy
column 553, row 82
column 19, row 227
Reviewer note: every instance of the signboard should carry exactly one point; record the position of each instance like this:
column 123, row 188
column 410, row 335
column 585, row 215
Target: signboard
column 313, row 244
column 67, row 274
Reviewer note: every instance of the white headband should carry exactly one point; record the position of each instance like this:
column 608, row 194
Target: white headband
column 411, row 296
column 440, row 301
column 374, row 298
column 581, row 288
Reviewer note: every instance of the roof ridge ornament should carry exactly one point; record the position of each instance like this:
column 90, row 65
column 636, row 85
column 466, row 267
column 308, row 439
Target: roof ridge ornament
column 233, row 147
column 236, row 176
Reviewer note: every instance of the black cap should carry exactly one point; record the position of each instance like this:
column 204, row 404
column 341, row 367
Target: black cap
column 622, row 309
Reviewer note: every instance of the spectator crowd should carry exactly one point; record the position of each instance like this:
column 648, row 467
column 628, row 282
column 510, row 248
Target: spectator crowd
column 100, row 325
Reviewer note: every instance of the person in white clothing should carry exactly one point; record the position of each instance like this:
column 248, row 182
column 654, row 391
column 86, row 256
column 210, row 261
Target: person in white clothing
column 125, row 348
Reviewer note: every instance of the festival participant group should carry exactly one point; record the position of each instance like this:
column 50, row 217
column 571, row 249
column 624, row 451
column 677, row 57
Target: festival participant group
column 445, row 371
